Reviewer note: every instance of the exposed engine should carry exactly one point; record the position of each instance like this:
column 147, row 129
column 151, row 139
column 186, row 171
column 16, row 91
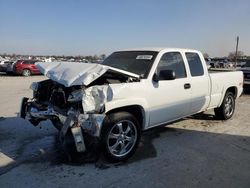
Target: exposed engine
column 54, row 94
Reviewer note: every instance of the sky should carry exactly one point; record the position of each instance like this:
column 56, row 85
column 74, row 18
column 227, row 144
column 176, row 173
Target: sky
column 64, row 27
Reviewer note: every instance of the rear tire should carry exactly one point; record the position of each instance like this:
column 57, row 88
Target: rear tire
column 26, row 72
column 120, row 136
column 226, row 110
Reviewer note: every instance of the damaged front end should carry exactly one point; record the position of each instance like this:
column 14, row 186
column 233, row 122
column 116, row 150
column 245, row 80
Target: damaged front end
column 75, row 109
column 73, row 99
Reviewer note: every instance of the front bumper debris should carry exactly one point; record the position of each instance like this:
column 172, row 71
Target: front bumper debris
column 79, row 124
column 90, row 123
column 78, row 138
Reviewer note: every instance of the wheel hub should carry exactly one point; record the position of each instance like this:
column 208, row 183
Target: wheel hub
column 122, row 137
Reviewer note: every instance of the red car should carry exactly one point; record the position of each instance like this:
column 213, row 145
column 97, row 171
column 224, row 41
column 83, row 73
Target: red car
column 25, row 68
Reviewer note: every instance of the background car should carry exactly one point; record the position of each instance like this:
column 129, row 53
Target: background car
column 9, row 69
column 246, row 71
column 4, row 64
column 25, row 68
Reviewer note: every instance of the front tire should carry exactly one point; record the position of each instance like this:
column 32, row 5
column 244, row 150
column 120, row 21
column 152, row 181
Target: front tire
column 26, row 72
column 226, row 110
column 120, row 136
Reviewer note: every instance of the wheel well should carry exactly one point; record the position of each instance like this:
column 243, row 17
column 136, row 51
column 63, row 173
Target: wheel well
column 233, row 90
column 136, row 110
column 27, row 69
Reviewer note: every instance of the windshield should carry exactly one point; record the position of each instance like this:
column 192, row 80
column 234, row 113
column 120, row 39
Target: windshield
column 138, row 62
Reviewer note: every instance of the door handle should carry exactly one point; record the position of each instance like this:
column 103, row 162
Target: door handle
column 187, row 86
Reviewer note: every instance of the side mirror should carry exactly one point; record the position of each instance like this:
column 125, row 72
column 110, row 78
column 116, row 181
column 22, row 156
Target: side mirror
column 155, row 77
column 164, row 75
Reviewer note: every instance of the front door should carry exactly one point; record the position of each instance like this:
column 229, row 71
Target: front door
column 170, row 99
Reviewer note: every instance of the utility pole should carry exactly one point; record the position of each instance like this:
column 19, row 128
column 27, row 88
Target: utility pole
column 236, row 52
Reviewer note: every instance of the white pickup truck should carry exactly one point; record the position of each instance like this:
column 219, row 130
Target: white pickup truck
column 131, row 91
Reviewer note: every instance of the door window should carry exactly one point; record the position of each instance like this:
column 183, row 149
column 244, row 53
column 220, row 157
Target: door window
column 173, row 61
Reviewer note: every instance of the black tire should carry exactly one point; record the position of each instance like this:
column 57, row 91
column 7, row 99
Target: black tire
column 124, row 140
column 26, row 72
column 226, row 110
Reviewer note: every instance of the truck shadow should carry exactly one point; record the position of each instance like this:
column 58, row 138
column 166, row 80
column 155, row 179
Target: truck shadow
column 31, row 144
column 203, row 116
column 144, row 151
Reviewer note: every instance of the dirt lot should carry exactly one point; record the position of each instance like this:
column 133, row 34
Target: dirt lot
column 197, row 151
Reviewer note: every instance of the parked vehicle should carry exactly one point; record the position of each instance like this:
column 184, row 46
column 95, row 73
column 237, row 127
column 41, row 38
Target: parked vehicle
column 131, row 91
column 228, row 64
column 25, row 68
column 246, row 71
column 9, row 69
column 222, row 64
column 3, row 65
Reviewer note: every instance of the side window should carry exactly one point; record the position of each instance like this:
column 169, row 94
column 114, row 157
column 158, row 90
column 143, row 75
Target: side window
column 195, row 64
column 26, row 62
column 172, row 61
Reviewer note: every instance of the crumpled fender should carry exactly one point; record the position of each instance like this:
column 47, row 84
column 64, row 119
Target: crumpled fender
column 95, row 97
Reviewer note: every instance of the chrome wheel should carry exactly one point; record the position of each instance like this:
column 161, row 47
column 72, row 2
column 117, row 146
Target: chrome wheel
column 122, row 138
column 229, row 105
column 26, row 72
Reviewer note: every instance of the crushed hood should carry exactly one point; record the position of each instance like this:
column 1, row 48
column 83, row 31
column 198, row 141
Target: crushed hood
column 73, row 73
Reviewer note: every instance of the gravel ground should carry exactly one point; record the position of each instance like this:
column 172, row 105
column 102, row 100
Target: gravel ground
column 198, row 151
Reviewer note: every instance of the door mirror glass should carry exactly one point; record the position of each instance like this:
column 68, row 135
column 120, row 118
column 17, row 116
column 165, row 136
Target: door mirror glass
column 164, row 75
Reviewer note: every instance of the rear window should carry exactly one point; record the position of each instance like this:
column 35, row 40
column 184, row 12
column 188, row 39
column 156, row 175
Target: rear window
column 195, row 64
column 29, row 62
column 26, row 62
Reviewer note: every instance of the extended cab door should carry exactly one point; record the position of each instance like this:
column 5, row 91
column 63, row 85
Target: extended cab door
column 170, row 99
column 200, row 82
